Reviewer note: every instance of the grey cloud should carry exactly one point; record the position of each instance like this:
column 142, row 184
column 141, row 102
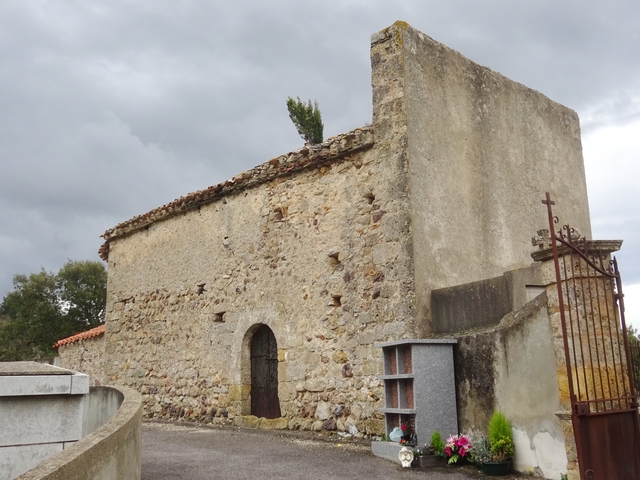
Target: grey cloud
column 112, row 108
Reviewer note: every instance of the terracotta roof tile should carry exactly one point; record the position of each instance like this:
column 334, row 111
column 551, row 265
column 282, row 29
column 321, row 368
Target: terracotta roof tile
column 94, row 332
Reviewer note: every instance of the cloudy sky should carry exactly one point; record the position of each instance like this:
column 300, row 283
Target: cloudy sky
column 111, row 108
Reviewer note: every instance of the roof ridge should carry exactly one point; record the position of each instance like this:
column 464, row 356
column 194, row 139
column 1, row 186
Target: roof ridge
column 308, row 156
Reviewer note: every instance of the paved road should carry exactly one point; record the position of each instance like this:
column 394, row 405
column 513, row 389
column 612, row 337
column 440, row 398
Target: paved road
column 197, row 452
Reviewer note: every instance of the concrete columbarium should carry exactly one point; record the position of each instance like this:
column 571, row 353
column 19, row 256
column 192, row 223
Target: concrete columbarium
column 335, row 247
column 420, row 391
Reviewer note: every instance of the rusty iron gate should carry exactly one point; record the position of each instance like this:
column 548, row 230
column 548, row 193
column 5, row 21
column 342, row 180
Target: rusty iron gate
column 604, row 406
column 634, row 349
column 264, row 374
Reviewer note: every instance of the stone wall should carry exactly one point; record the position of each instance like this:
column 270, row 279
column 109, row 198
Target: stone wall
column 86, row 356
column 321, row 257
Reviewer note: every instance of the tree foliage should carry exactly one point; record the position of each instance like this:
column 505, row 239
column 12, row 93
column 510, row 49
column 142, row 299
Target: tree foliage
column 45, row 307
column 82, row 286
column 307, row 119
column 632, row 333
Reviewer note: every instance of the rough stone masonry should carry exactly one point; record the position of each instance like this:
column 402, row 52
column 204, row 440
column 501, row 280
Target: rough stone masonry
column 338, row 246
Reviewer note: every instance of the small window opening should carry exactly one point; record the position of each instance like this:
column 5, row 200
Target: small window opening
column 370, row 197
column 335, row 300
column 218, row 317
column 200, row 289
column 334, row 258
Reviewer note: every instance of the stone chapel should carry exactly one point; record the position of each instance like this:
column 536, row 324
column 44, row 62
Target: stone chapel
column 264, row 296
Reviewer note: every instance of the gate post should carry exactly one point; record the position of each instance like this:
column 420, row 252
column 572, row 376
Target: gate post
column 582, row 315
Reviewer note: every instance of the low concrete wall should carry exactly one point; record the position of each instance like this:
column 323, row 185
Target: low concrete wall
column 387, row 450
column 100, row 405
column 512, row 368
column 484, row 303
column 472, row 305
column 112, row 451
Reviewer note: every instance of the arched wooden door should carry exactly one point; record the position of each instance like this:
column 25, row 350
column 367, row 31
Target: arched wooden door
column 264, row 374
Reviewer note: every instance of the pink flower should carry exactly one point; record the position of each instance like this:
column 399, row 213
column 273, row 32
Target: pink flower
column 458, row 445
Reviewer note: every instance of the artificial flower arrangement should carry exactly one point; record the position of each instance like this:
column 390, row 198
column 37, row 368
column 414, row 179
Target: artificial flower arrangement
column 408, row 437
column 403, row 434
column 457, row 447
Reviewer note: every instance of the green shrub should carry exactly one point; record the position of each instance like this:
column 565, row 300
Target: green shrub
column 500, row 437
column 499, row 427
column 502, row 450
column 437, row 443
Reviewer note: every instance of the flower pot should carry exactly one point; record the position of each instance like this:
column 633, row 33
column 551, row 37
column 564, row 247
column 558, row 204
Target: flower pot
column 495, row 469
column 461, row 460
column 431, row 461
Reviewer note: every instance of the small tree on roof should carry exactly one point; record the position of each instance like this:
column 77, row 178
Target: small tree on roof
column 307, row 120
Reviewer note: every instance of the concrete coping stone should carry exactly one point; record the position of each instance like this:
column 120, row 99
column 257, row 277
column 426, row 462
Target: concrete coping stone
column 432, row 341
column 602, row 246
column 32, row 378
column 30, row 368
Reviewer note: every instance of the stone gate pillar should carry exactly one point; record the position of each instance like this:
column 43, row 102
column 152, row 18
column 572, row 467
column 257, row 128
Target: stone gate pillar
column 592, row 336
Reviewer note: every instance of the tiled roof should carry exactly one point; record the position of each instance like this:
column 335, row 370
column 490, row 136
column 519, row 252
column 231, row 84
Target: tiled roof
column 94, row 332
column 333, row 149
